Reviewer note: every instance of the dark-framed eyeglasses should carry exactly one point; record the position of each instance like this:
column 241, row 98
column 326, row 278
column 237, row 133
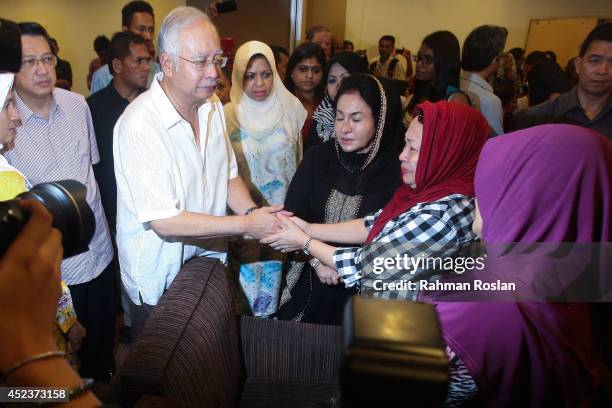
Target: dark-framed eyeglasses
column 49, row 60
column 426, row 58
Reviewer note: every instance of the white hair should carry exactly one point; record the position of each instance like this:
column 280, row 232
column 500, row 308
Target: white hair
column 168, row 39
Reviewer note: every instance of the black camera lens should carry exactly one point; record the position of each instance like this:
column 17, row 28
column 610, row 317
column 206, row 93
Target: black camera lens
column 66, row 201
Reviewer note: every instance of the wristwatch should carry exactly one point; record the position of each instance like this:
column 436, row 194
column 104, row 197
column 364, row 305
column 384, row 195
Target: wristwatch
column 306, row 245
column 250, row 210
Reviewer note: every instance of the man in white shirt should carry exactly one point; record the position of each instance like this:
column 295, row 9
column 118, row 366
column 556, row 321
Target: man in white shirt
column 389, row 64
column 480, row 60
column 175, row 168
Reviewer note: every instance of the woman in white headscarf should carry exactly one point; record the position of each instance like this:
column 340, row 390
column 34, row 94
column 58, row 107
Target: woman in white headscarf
column 264, row 121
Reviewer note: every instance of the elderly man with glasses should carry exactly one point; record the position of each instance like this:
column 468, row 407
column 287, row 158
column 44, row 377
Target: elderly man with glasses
column 56, row 141
column 175, row 168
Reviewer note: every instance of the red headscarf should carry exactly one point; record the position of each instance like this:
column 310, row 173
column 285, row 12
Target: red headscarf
column 453, row 135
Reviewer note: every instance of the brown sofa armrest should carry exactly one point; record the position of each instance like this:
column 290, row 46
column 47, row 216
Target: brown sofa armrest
column 291, row 351
column 189, row 349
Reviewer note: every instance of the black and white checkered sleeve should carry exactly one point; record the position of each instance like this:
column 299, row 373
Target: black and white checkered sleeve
column 347, row 266
column 370, row 219
column 410, row 234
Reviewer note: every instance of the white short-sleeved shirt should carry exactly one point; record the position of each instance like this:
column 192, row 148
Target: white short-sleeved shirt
column 161, row 172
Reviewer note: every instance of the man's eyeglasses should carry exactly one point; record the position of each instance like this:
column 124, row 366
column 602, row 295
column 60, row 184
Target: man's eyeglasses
column 47, row 60
column 201, row 65
column 426, row 58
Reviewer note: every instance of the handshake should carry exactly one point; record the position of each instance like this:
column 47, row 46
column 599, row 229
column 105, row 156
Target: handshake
column 287, row 233
column 278, row 228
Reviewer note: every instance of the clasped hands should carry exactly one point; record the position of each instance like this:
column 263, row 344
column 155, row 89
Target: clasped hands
column 277, row 227
column 292, row 234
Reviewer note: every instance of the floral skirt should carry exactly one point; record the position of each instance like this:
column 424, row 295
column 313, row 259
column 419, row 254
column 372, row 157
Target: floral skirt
column 259, row 270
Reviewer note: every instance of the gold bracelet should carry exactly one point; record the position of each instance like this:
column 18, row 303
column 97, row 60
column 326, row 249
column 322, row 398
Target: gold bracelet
column 25, row 361
column 314, row 263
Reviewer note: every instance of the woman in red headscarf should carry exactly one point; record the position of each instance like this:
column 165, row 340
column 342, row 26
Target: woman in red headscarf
column 429, row 215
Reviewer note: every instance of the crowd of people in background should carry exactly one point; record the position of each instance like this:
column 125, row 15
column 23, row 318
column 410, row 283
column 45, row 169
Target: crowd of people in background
column 315, row 162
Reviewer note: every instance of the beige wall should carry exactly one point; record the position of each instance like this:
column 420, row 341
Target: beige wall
column 330, row 13
column 563, row 36
column 75, row 24
column 263, row 20
column 409, row 20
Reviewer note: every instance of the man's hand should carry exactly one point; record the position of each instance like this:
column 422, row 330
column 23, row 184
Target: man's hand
column 263, row 222
column 211, row 9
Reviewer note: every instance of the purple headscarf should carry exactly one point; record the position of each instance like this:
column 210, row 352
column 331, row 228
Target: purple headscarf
column 549, row 183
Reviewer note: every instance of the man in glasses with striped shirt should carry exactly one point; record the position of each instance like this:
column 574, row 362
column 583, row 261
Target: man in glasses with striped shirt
column 56, row 141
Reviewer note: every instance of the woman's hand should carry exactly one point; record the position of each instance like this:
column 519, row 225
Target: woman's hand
column 327, row 275
column 30, row 287
column 290, row 238
column 304, row 226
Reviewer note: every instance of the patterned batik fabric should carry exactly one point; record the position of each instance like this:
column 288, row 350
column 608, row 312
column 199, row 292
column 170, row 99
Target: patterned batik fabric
column 65, row 317
column 267, row 165
column 461, row 385
column 324, row 117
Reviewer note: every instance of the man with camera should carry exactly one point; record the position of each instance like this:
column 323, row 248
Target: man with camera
column 56, row 142
column 389, row 64
column 175, row 168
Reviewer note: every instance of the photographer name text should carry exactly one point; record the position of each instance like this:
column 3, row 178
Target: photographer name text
column 498, row 285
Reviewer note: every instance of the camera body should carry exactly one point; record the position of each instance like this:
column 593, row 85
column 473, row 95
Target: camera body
column 66, row 201
column 226, row 6
column 10, row 46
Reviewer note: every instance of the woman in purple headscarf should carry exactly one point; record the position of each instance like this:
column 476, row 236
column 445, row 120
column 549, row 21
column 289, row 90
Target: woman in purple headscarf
column 547, row 184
